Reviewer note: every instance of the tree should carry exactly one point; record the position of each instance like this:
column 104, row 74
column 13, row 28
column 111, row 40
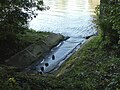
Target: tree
column 109, row 21
column 14, row 14
column 14, row 18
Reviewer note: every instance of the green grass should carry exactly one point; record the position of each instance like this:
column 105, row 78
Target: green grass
column 32, row 36
column 92, row 67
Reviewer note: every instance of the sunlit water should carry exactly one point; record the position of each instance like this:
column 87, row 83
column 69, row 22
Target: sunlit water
column 71, row 18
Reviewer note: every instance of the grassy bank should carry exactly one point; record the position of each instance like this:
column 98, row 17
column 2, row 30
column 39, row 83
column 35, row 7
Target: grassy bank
column 94, row 68
column 90, row 68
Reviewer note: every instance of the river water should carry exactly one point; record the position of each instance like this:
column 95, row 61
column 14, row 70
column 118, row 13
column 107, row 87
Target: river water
column 71, row 18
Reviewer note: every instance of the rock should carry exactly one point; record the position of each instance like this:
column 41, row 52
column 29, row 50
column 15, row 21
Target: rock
column 87, row 37
column 67, row 37
column 95, row 34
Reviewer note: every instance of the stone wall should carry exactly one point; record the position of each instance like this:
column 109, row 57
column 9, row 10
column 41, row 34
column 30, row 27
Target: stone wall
column 34, row 52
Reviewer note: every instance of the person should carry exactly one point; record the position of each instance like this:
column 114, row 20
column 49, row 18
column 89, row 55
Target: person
column 53, row 57
column 46, row 64
column 42, row 69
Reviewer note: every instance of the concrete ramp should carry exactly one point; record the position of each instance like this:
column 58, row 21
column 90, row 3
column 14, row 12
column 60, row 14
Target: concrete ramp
column 34, row 52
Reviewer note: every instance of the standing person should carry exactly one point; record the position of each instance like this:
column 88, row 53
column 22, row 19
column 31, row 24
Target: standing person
column 53, row 57
column 46, row 64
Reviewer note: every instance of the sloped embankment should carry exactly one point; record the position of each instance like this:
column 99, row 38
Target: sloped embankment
column 34, row 51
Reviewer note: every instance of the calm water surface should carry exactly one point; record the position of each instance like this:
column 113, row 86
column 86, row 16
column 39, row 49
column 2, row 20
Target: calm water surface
column 71, row 18
column 68, row 17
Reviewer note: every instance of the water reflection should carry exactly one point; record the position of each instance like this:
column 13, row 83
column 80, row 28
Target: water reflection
column 94, row 3
column 68, row 17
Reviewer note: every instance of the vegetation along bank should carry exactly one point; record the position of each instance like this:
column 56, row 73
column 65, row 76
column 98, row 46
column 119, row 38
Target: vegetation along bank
column 93, row 67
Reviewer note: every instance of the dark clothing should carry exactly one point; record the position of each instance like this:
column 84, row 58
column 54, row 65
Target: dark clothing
column 53, row 57
column 46, row 64
column 42, row 68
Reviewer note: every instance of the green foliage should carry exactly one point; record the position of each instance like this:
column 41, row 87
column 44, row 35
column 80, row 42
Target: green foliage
column 14, row 18
column 11, row 43
column 115, row 15
column 108, row 20
column 94, row 68
column 91, row 68
column 14, row 14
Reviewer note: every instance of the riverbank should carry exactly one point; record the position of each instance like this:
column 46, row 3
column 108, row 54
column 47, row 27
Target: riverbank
column 26, row 48
column 18, row 42
column 35, row 51
column 70, row 61
column 91, row 67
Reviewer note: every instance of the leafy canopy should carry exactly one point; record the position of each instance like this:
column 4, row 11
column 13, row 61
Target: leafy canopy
column 14, row 14
column 14, row 18
column 109, row 21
